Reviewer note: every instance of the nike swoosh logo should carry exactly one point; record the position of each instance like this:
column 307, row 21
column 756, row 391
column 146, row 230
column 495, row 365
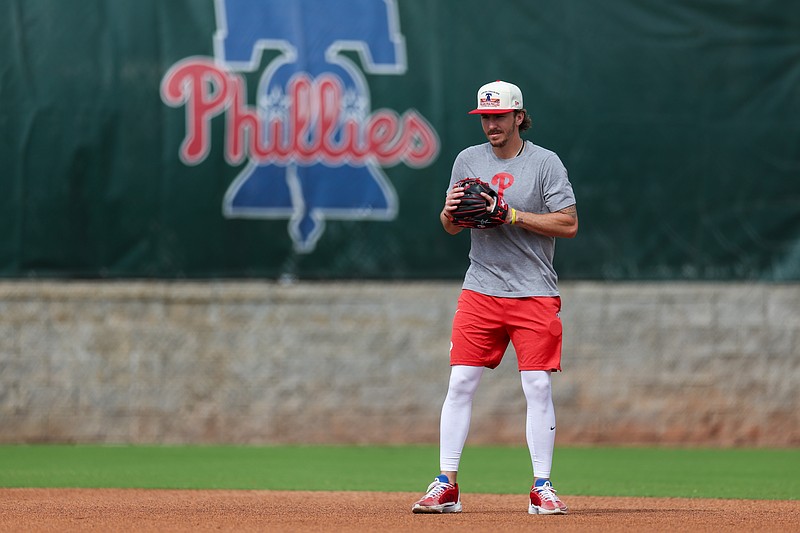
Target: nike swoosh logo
column 552, row 428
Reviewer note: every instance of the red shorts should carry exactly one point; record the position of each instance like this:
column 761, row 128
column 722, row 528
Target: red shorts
column 484, row 325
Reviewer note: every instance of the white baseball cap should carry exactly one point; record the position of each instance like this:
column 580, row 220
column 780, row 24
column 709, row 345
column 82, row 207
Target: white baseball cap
column 498, row 97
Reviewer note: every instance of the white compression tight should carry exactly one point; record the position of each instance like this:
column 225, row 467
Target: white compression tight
column 457, row 412
column 456, row 415
column 540, row 422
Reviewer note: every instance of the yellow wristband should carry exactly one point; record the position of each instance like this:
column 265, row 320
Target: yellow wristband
column 513, row 216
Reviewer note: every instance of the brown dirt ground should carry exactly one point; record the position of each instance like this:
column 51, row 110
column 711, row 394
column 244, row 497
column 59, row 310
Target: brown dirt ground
column 123, row 510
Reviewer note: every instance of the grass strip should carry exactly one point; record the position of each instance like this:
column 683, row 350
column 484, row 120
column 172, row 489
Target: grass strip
column 607, row 471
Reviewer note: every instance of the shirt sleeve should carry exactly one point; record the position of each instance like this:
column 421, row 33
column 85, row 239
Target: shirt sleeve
column 556, row 187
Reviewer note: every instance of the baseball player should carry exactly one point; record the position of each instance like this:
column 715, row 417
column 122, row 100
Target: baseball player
column 510, row 290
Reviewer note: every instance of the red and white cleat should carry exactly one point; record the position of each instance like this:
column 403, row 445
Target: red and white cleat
column 545, row 501
column 442, row 497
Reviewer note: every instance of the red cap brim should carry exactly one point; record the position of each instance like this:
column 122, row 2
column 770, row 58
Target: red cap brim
column 490, row 111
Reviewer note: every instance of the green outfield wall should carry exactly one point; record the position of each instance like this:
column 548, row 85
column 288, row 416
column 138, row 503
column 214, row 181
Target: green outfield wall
column 313, row 139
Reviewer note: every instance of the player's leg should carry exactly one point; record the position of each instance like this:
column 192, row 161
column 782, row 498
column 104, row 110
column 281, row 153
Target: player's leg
column 535, row 329
column 478, row 341
column 443, row 494
column 540, row 431
column 540, row 422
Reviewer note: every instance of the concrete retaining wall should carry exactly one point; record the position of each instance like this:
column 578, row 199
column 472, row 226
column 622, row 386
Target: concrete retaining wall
column 258, row 362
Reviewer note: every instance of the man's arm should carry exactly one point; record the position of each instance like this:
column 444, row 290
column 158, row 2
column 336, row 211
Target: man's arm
column 562, row 223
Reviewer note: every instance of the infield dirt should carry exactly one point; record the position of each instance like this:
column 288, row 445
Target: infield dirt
column 124, row 510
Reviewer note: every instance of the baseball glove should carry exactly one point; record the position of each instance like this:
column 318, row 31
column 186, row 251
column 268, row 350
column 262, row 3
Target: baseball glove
column 472, row 211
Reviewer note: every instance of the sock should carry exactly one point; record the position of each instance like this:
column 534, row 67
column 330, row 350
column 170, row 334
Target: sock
column 456, row 415
column 540, row 422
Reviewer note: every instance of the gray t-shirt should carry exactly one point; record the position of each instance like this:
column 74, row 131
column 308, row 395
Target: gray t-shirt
column 508, row 261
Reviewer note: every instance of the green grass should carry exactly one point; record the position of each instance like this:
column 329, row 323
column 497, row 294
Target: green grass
column 706, row 473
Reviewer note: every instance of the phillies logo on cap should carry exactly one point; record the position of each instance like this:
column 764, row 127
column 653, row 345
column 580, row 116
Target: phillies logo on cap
column 311, row 147
column 487, row 100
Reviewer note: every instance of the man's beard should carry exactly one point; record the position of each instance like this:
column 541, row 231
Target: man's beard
column 499, row 144
column 502, row 143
